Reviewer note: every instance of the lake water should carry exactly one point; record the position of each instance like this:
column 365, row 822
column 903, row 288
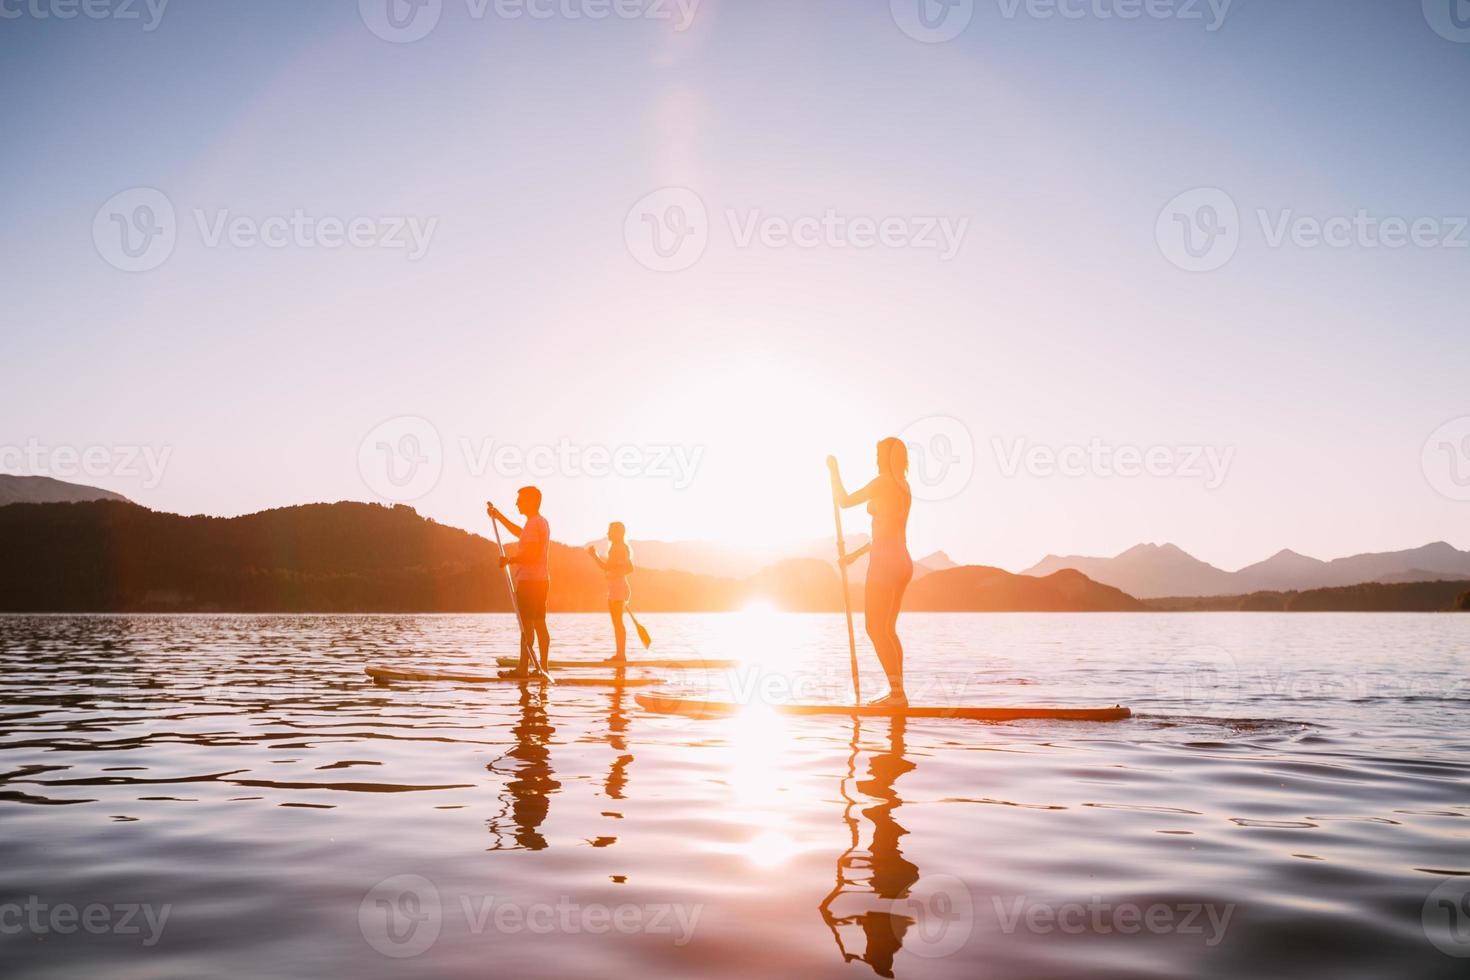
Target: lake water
column 231, row 795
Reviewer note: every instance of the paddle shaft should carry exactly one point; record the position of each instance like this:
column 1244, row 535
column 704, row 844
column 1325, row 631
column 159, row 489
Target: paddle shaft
column 527, row 642
column 643, row 634
column 857, row 693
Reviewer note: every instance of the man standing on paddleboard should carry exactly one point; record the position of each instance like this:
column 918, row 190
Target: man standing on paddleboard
column 532, row 577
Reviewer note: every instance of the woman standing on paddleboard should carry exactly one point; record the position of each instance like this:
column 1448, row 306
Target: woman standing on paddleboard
column 890, row 569
column 618, row 566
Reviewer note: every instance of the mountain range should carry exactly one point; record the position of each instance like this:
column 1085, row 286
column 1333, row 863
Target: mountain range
column 45, row 490
column 115, row 556
column 704, row 575
column 1151, row 571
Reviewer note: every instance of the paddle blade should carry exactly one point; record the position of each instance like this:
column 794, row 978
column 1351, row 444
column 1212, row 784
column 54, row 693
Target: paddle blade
column 643, row 636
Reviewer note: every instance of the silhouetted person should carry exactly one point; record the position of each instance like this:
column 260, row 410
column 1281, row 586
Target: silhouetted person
column 618, row 566
column 890, row 569
column 891, row 876
column 532, row 579
column 531, row 787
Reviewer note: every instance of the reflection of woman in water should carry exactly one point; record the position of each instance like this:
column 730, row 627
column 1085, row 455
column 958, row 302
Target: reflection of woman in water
column 891, row 876
column 618, row 566
column 890, row 569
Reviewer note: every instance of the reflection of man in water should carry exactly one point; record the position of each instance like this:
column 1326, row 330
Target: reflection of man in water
column 531, row 786
column 891, row 875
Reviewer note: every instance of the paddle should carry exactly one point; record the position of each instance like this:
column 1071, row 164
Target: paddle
column 643, row 636
column 526, row 642
column 846, row 599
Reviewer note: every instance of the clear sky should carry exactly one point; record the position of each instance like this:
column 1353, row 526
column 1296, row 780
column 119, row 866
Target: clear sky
column 529, row 313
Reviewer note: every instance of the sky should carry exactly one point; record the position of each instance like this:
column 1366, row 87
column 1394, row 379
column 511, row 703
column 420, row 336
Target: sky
column 1117, row 271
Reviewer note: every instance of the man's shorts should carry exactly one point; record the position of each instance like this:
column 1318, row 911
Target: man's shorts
column 531, row 598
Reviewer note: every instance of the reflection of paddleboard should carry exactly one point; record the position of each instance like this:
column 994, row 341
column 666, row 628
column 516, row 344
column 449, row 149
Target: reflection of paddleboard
column 663, row 704
column 687, row 664
column 381, row 673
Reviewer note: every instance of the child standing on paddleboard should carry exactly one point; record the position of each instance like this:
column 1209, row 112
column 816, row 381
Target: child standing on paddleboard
column 532, row 577
column 618, row 566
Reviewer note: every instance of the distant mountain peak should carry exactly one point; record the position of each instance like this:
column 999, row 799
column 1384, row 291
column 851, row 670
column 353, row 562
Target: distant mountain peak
column 1150, row 549
column 45, row 490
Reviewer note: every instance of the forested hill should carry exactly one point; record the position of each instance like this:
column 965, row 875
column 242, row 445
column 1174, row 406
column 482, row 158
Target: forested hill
column 119, row 557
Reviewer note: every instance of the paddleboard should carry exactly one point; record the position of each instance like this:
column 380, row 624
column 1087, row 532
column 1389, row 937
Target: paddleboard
column 615, row 664
column 663, row 704
column 382, row 673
